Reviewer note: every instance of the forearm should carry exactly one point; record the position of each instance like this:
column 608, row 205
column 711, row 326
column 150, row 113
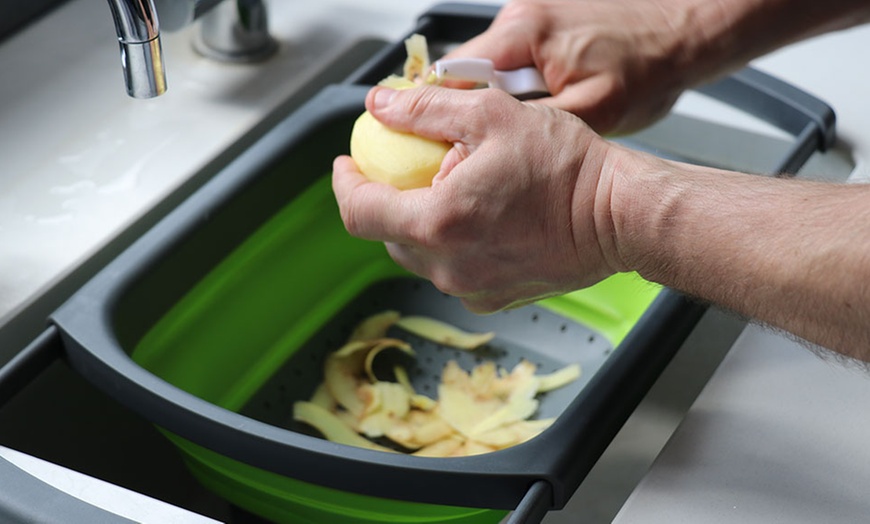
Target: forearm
column 716, row 36
column 790, row 253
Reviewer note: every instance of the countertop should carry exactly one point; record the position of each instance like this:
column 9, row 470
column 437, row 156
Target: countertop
column 777, row 435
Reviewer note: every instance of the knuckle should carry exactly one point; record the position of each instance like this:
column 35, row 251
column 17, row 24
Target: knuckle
column 489, row 106
column 451, row 283
column 442, row 231
column 417, row 102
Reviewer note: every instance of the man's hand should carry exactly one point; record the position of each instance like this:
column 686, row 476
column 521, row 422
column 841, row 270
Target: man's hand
column 510, row 218
column 614, row 63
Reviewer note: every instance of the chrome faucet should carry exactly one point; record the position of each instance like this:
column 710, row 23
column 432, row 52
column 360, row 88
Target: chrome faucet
column 231, row 30
column 141, row 53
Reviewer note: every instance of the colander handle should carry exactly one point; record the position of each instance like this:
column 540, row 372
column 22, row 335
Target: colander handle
column 810, row 120
column 534, row 506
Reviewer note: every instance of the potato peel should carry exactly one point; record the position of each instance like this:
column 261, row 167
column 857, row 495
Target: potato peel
column 443, row 333
column 332, row 427
column 386, row 343
column 323, row 398
column 416, row 67
column 341, row 374
column 559, row 378
column 374, row 327
column 477, row 411
column 418, row 401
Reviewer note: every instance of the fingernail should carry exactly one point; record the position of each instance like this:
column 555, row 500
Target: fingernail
column 383, row 97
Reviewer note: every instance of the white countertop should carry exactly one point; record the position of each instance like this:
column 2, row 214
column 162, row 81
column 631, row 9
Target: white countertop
column 778, row 435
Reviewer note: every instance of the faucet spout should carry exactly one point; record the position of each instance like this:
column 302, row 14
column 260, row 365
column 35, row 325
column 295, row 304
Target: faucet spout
column 138, row 31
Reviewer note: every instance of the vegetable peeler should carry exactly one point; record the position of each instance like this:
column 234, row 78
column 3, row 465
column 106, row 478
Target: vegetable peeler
column 524, row 82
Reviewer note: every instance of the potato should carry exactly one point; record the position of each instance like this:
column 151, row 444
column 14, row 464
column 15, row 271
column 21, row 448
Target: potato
column 403, row 160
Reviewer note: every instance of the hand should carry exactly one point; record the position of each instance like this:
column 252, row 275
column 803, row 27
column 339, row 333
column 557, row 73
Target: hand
column 611, row 62
column 514, row 214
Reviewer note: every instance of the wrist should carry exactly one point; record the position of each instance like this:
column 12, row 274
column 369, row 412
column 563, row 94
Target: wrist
column 644, row 197
column 620, row 210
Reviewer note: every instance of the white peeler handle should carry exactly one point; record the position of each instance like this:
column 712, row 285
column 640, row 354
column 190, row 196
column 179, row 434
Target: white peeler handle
column 471, row 69
column 523, row 81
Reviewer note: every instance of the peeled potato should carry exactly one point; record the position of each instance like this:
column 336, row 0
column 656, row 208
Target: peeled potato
column 403, row 160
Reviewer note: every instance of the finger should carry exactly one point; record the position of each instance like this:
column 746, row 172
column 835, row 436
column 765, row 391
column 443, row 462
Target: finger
column 505, row 44
column 369, row 210
column 425, row 111
column 450, row 115
column 593, row 100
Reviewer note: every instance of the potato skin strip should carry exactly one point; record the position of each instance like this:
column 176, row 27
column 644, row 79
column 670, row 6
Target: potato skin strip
column 481, row 410
column 383, row 344
column 332, row 428
column 443, row 333
column 374, row 327
column 558, row 378
column 416, row 66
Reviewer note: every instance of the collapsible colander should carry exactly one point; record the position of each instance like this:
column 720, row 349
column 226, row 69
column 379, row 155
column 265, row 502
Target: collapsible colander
column 251, row 337
column 218, row 318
